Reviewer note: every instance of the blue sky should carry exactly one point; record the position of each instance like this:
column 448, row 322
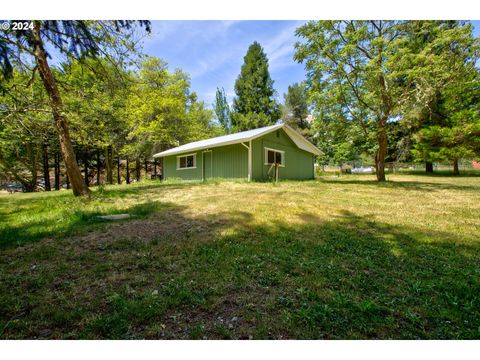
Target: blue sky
column 212, row 51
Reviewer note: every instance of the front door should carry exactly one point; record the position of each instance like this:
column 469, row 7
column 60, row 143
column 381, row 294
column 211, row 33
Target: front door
column 207, row 165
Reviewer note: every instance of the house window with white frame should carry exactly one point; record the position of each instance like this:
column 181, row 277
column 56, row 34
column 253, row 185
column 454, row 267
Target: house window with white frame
column 187, row 162
column 273, row 156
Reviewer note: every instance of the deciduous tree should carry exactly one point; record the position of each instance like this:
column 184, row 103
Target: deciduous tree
column 75, row 39
column 222, row 110
column 296, row 106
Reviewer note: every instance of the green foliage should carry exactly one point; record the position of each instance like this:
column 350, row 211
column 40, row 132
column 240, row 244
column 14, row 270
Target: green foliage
column 94, row 94
column 353, row 69
column 25, row 126
column 222, row 110
column 162, row 111
column 77, row 39
column 341, row 139
column 249, row 121
column 296, row 108
column 370, row 72
column 454, row 132
column 254, row 106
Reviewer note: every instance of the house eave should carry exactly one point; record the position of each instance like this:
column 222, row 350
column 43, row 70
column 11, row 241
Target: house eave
column 297, row 138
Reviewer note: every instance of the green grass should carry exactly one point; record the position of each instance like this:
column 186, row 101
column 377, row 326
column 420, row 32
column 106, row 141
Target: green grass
column 334, row 258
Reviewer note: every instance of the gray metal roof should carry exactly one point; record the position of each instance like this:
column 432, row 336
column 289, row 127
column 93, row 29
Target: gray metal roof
column 240, row 137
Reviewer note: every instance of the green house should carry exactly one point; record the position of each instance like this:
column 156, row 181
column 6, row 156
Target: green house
column 258, row 154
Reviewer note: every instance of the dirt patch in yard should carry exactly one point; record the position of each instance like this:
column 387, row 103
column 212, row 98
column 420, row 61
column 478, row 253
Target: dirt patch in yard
column 171, row 226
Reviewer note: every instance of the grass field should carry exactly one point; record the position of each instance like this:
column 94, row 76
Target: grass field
column 333, row 258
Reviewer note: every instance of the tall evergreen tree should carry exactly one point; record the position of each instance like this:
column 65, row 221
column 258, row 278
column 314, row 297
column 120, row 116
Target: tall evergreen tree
column 455, row 132
column 222, row 110
column 254, row 106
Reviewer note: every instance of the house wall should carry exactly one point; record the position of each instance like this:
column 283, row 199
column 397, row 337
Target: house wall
column 299, row 164
column 231, row 161
column 170, row 170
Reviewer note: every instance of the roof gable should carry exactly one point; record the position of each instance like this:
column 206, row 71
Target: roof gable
column 240, row 137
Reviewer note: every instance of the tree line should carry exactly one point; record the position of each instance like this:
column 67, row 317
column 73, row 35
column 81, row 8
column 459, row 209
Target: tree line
column 382, row 90
column 385, row 90
column 105, row 109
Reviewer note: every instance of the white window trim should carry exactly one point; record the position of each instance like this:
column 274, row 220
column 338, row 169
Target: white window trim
column 187, row 168
column 265, row 156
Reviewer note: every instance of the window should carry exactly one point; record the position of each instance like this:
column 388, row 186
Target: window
column 273, row 156
column 187, row 162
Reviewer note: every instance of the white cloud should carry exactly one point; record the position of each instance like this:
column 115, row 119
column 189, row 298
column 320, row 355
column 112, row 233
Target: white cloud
column 280, row 49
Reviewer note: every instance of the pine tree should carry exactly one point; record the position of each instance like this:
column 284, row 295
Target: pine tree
column 455, row 134
column 254, row 106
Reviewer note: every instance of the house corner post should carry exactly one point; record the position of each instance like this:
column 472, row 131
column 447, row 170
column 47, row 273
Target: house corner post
column 250, row 160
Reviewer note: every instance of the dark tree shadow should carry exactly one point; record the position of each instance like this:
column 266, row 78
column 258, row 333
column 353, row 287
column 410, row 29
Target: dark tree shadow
column 404, row 185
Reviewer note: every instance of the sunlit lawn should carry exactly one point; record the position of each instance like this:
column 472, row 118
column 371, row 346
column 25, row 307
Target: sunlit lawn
column 333, row 258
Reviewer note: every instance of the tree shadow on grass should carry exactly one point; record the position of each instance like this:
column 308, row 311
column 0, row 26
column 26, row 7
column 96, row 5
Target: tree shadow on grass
column 61, row 214
column 70, row 223
column 137, row 189
column 226, row 276
column 443, row 173
column 108, row 191
column 404, row 185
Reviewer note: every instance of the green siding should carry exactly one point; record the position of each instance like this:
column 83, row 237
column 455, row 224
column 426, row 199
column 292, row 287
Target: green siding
column 170, row 171
column 231, row 161
column 298, row 163
column 207, row 165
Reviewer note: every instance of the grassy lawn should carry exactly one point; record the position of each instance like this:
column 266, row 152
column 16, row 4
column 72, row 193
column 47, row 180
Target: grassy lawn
column 333, row 258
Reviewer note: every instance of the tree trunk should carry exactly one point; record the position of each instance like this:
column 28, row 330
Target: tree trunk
column 428, row 167
column 33, row 154
column 46, row 170
column 137, row 169
column 155, row 167
column 128, row 173
column 57, row 171
column 78, row 186
column 99, row 167
column 109, row 164
column 146, row 167
column 382, row 149
column 456, row 171
column 68, row 181
column 85, row 163
column 119, row 177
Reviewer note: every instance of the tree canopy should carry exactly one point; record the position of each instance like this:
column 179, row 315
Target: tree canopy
column 296, row 107
column 76, row 40
column 254, row 105
column 371, row 72
column 222, row 110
